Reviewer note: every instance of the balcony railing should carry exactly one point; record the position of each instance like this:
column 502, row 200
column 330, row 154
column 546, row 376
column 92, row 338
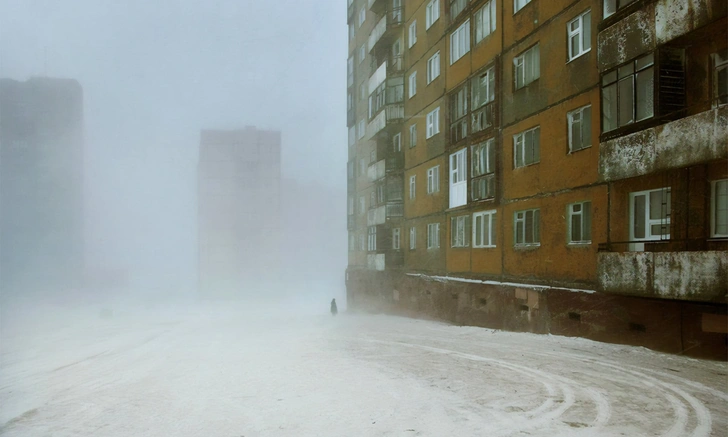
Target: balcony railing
column 392, row 114
column 380, row 214
column 395, row 210
column 376, row 171
column 391, row 20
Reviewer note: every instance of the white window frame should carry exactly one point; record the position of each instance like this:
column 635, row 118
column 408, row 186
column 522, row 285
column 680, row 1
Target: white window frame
column 527, row 67
column 521, row 218
column 713, row 207
column 433, row 236
column 578, row 116
column 396, row 238
column 350, row 71
column 583, row 211
column 362, row 16
column 352, row 136
column 412, row 34
column 519, row 4
column 432, row 13
column 433, row 67
column 458, row 231
column 648, row 222
column 372, row 239
column 361, row 129
column 520, row 147
column 413, row 135
column 484, row 27
column 352, row 32
column 362, row 242
column 397, row 142
column 484, row 221
column 459, row 178
column 460, row 42
column 720, row 64
column 413, row 238
column 362, row 53
column 412, row 85
column 433, row 180
column 578, row 31
column 433, row 123
column 413, row 187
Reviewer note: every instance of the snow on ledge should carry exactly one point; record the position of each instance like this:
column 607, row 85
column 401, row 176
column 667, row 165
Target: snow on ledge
column 508, row 284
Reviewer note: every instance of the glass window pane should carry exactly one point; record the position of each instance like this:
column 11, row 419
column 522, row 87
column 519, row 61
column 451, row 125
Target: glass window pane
column 586, row 219
column 638, row 210
column 609, row 108
column 575, row 46
column 586, row 127
column 645, row 61
column 576, row 227
column 536, row 226
column 586, row 32
column 656, row 206
column 609, row 78
column 626, row 101
column 626, row 70
column 645, row 94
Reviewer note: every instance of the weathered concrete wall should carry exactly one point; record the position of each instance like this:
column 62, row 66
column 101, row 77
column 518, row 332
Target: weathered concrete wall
column 652, row 25
column 681, row 143
column 693, row 276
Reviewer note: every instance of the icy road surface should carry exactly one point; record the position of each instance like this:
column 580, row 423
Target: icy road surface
column 229, row 372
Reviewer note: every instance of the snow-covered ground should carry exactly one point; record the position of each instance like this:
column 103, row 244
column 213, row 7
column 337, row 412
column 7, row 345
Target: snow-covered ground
column 235, row 370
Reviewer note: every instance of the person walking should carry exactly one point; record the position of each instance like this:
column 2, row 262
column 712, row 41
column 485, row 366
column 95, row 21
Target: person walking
column 334, row 310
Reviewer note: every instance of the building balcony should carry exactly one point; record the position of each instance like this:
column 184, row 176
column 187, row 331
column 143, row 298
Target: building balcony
column 384, row 261
column 663, row 272
column 379, row 169
column 391, row 115
column 386, row 29
column 681, row 143
column 381, row 214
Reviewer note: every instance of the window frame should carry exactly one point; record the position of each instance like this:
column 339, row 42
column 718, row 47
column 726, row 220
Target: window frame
column 413, row 187
column 371, row 239
column 713, row 205
column 433, row 67
column 412, row 34
column 433, row 123
column 490, row 228
column 520, row 61
column 490, row 5
column 458, row 229
column 619, row 78
column 720, row 62
column 433, row 241
column 569, row 123
column 413, row 135
column 430, row 17
column 580, row 33
column 413, row 238
column 522, row 3
column 396, row 238
column 648, row 223
column 433, row 180
column 460, row 35
column 397, row 142
column 585, row 214
column 412, row 85
column 535, row 229
column 536, row 151
column 362, row 18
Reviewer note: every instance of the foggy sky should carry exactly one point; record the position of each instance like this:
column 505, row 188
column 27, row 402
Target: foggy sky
column 154, row 73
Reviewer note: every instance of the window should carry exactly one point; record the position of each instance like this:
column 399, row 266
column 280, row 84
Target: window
column 362, row 242
column 482, row 92
column 483, row 170
column 433, row 179
column 650, row 215
column 362, row 53
column 485, row 21
column 397, row 142
column 458, row 114
column 459, row 234
column 413, row 238
column 352, row 33
column 456, row 7
column 720, row 78
column 373, row 156
column 432, row 13
column 352, row 135
column 413, row 135
column 526, row 150
column 579, row 35
column 433, row 123
column 527, row 67
column 362, row 16
column 579, row 224
column 484, row 229
column 719, row 209
column 372, row 239
column 349, row 102
column 519, row 4
column 433, row 235
column 350, row 72
column 611, row 6
column 362, row 204
column 433, row 67
column 460, row 42
column 412, row 84
column 395, row 238
column 628, row 93
column 526, row 228
column 458, row 181
column 412, row 187
column 362, row 129
column 579, row 128
column 352, row 242
column 412, row 34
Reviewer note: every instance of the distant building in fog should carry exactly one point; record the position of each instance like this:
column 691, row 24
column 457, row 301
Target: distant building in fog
column 239, row 225
column 41, row 183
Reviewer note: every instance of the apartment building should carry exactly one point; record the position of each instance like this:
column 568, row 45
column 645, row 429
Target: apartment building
column 239, row 211
column 563, row 166
column 41, row 185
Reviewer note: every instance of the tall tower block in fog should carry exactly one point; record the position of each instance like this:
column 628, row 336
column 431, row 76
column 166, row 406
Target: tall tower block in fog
column 41, row 184
column 239, row 223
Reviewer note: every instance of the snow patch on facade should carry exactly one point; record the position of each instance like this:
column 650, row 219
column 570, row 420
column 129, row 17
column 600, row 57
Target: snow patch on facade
column 499, row 283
